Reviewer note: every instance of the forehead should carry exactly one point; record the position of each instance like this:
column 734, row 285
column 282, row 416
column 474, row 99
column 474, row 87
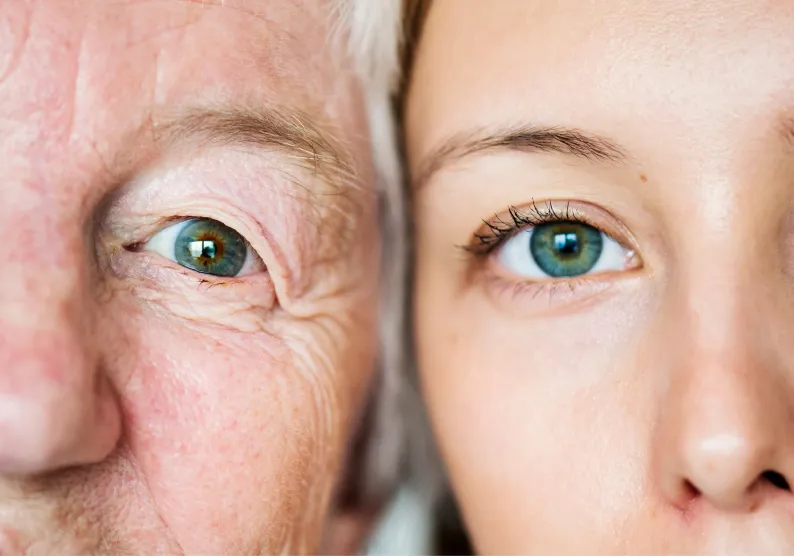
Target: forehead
column 597, row 63
column 107, row 67
column 250, row 36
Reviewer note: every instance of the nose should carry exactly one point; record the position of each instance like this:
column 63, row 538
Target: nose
column 57, row 407
column 724, row 435
column 724, row 454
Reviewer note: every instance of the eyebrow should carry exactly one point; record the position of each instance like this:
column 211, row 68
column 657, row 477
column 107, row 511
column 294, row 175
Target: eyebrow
column 525, row 138
column 287, row 131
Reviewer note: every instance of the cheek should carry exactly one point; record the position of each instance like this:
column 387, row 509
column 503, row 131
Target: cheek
column 514, row 398
column 231, row 433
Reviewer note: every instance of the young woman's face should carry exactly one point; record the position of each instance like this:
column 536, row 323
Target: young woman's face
column 604, row 195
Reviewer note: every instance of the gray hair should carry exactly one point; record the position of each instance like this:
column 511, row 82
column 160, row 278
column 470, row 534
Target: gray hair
column 371, row 30
column 399, row 444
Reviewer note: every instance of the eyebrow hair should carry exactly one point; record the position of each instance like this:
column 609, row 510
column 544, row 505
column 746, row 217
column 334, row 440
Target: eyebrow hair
column 291, row 132
column 525, row 138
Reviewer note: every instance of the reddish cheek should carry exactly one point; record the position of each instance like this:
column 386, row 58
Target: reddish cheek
column 185, row 387
column 208, row 420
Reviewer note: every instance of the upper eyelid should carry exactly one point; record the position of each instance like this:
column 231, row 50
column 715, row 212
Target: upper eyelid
column 175, row 222
column 123, row 231
column 501, row 231
column 290, row 133
column 233, row 185
column 550, row 211
column 155, row 227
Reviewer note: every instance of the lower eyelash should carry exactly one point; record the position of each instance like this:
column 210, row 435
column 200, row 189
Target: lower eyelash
column 554, row 292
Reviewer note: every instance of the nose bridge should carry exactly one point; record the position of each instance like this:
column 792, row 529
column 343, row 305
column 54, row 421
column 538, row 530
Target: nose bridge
column 723, row 426
column 43, row 279
column 56, row 408
column 45, row 319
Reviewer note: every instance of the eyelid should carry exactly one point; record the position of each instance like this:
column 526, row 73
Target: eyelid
column 488, row 239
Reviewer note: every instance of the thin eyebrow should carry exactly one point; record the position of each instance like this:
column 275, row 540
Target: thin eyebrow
column 290, row 132
column 526, row 138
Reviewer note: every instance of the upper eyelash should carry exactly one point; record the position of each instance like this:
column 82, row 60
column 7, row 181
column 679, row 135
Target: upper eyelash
column 500, row 231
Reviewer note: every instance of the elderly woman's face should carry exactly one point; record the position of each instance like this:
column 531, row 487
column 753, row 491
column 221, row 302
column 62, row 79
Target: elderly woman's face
column 604, row 194
column 186, row 308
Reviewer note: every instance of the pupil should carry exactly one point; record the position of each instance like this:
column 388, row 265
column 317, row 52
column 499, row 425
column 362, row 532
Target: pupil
column 567, row 243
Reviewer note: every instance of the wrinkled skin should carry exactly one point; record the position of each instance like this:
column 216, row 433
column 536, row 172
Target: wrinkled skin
column 146, row 408
column 647, row 408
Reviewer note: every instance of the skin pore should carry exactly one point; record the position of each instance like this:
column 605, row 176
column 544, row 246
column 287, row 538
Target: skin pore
column 604, row 205
column 147, row 407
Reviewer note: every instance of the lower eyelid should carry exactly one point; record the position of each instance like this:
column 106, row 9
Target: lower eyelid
column 151, row 267
column 539, row 298
column 181, row 293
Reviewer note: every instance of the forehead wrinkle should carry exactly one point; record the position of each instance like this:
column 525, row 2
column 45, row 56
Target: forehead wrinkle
column 273, row 18
column 260, row 9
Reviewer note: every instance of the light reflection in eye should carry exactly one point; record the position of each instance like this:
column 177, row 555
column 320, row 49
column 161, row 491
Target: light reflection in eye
column 202, row 248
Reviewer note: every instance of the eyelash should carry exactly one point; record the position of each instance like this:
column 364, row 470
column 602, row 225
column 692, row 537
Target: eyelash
column 500, row 231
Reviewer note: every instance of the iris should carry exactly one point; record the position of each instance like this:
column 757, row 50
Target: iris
column 566, row 249
column 209, row 247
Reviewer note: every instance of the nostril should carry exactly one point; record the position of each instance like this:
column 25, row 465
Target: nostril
column 691, row 490
column 776, row 479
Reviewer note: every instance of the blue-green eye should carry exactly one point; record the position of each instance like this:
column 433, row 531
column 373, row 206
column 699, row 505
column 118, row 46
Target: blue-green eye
column 204, row 245
column 561, row 249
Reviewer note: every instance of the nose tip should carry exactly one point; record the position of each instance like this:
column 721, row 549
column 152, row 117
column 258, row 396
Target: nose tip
column 724, row 440
column 55, row 411
column 730, row 471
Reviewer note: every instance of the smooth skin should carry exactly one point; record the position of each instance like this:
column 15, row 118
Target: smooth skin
column 648, row 407
column 146, row 408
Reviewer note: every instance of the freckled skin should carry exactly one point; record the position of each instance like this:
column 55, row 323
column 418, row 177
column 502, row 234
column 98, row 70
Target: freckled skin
column 641, row 410
column 146, row 409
